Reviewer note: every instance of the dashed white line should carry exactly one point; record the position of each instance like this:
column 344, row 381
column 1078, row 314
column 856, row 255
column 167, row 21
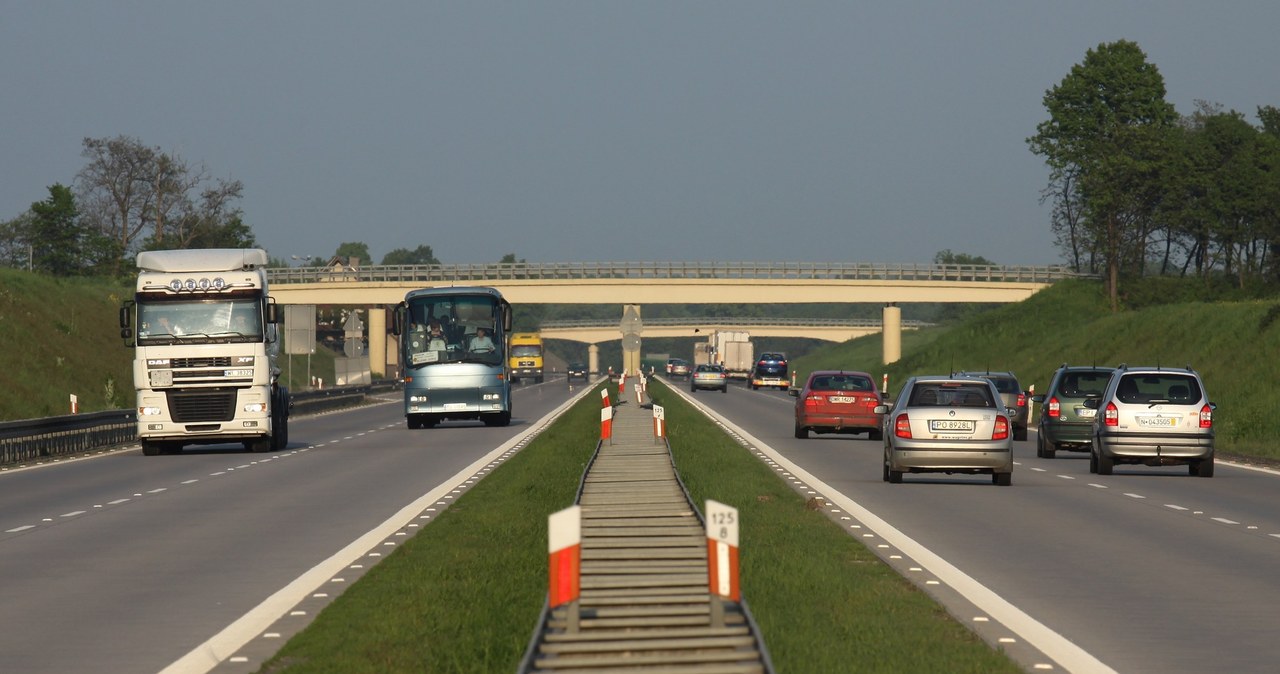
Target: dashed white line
column 1067, row 477
column 73, row 513
column 21, row 528
column 190, row 481
column 1175, row 507
column 1134, row 495
column 1224, row 520
column 157, row 491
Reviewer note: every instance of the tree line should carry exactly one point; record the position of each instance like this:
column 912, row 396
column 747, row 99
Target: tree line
column 1137, row 189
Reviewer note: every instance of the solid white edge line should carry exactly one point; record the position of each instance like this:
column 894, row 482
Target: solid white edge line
column 233, row 637
column 1052, row 644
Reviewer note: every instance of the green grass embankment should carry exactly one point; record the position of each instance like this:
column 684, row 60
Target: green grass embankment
column 1232, row 344
column 464, row 595
column 61, row 336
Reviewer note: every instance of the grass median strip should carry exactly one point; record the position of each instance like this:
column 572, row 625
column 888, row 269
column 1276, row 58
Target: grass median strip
column 465, row 594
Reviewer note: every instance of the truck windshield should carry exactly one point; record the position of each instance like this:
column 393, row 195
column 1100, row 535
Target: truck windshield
column 232, row 320
column 452, row 329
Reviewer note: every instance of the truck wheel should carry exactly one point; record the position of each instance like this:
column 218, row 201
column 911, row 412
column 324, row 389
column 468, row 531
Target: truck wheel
column 500, row 419
column 259, row 446
column 151, row 448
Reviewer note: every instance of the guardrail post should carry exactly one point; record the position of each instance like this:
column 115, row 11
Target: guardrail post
column 564, row 548
column 722, row 558
column 659, row 423
column 75, row 404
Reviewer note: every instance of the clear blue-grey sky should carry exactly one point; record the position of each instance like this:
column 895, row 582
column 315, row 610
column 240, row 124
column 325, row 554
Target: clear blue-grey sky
column 592, row 131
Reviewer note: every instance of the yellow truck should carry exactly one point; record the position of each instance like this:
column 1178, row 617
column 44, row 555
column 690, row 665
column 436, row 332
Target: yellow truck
column 526, row 356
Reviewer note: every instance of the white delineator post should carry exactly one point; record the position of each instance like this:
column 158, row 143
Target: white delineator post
column 75, row 404
column 564, row 547
column 722, row 557
column 659, row 422
column 606, row 424
column 1031, row 404
column 639, row 393
column 884, row 384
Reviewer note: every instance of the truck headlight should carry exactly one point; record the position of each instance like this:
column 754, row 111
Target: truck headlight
column 149, row 411
column 255, row 407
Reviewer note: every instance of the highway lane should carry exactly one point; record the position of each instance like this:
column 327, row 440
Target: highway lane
column 1148, row 570
column 124, row 563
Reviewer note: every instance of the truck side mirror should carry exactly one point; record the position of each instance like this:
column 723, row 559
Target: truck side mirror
column 274, row 315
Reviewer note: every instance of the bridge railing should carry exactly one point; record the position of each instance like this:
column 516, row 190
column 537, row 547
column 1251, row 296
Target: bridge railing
column 749, row 321
column 501, row 271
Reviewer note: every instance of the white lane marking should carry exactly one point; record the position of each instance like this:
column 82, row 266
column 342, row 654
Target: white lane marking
column 1134, row 495
column 247, row 627
column 1175, row 507
column 1099, row 486
column 1067, row 477
column 73, row 513
column 21, row 528
column 1038, row 470
column 189, row 481
column 1072, row 657
column 119, row 501
column 1274, row 535
column 1223, row 520
column 157, row 491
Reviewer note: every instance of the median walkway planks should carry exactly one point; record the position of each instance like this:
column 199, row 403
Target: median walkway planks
column 644, row 599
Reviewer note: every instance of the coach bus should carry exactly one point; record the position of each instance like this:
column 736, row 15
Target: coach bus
column 453, row 351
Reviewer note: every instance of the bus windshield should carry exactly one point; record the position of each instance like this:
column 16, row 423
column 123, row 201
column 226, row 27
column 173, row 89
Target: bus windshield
column 452, row 329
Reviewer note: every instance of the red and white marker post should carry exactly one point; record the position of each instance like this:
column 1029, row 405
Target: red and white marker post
column 884, row 384
column 722, row 558
column 659, row 423
column 564, row 545
column 604, row 398
column 606, row 424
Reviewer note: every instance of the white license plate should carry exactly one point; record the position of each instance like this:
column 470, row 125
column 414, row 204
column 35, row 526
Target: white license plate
column 1158, row 422
column 1087, row 412
column 841, row 399
column 950, row 425
column 455, row 406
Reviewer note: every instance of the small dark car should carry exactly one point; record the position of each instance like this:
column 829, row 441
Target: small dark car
column 1066, row 423
column 576, row 371
column 770, row 370
column 1011, row 393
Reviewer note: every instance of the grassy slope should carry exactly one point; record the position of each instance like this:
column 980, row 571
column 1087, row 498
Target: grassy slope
column 62, row 336
column 1232, row 344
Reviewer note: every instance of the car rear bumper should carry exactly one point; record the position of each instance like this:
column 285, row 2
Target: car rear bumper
column 995, row 457
column 1067, row 433
column 840, row 421
column 1156, row 446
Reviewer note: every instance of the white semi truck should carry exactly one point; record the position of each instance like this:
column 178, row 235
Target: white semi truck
column 203, row 327
column 734, row 351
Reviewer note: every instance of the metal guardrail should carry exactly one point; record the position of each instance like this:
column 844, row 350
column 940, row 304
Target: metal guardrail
column 33, row 439
column 517, row 271
column 749, row 321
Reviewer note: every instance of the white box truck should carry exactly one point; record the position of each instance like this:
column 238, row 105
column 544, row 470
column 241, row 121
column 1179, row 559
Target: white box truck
column 204, row 331
column 734, row 351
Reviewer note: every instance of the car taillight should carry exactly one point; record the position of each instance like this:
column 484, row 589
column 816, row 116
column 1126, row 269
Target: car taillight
column 1022, row 400
column 1111, row 415
column 1001, row 431
column 1053, row 408
column 813, row 400
column 1206, row 417
column 902, row 426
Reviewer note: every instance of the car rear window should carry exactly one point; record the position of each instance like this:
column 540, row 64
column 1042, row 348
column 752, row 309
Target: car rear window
column 1005, row 385
column 1161, row 387
column 950, row 395
column 842, row 382
column 1083, row 384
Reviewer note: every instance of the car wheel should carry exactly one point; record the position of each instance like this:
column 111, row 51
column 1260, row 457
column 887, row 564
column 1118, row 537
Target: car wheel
column 875, row 435
column 724, row 390
column 1093, row 462
column 1203, row 468
column 1002, row 479
column 1020, row 433
column 802, row 432
column 885, row 475
column 1044, row 448
column 895, row 477
column 1105, row 464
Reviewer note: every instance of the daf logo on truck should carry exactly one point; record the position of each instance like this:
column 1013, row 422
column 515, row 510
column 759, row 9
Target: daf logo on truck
column 204, row 331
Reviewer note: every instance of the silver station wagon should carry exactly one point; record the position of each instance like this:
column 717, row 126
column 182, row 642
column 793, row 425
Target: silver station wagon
column 1154, row 416
column 948, row 425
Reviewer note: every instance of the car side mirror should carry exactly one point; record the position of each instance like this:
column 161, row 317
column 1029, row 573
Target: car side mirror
column 1037, row 398
column 1091, row 403
column 1011, row 411
column 880, row 409
column 793, row 392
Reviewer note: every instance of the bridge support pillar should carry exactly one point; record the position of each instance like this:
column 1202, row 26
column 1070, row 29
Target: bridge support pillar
column 891, row 322
column 377, row 342
column 593, row 358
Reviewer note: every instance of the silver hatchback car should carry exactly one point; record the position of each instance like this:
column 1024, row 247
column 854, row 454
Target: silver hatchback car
column 948, row 425
column 1156, row 416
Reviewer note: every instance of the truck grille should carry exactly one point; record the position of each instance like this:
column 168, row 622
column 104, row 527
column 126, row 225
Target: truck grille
column 213, row 361
column 202, row 405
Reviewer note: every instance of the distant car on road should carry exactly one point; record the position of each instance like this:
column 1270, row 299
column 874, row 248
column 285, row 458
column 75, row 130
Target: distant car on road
column 678, row 368
column 1065, row 422
column 770, row 370
column 1012, row 394
column 1156, row 416
column 838, row 401
column 576, row 370
column 709, row 377
column 948, row 424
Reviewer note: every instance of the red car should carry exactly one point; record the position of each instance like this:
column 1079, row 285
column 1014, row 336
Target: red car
column 838, row 401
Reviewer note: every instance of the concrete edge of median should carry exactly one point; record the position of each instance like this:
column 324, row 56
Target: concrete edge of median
column 235, row 636
column 1053, row 645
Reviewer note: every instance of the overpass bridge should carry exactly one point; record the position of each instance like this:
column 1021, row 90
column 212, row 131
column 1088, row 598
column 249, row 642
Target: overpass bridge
column 639, row 283
column 594, row 331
